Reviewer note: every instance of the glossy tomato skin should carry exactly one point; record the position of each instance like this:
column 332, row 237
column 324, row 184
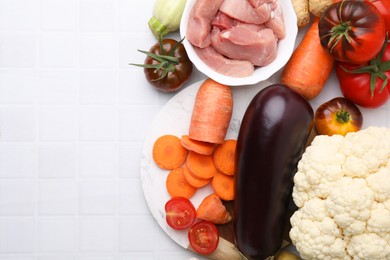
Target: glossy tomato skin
column 203, row 237
column 180, row 213
column 338, row 116
column 383, row 6
column 356, row 87
column 360, row 27
column 175, row 80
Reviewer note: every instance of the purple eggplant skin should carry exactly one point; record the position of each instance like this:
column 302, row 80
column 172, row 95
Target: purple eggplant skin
column 270, row 143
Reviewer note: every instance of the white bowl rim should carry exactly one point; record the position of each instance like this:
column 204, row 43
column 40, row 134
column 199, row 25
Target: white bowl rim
column 285, row 49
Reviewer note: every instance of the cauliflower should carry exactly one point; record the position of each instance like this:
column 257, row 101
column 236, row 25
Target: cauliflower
column 342, row 190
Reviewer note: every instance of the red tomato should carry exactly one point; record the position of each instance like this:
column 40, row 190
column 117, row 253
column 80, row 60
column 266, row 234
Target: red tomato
column 366, row 85
column 180, row 213
column 203, row 237
column 383, row 7
column 353, row 31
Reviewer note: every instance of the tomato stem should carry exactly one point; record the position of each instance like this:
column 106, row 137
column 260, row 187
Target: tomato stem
column 343, row 116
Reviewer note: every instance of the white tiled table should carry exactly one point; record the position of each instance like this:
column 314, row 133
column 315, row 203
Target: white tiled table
column 73, row 117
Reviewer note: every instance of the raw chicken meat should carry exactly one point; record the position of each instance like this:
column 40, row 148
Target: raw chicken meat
column 276, row 22
column 243, row 11
column 223, row 65
column 199, row 23
column 240, row 43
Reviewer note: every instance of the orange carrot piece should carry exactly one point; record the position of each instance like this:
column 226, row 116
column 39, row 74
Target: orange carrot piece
column 177, row 186
column 168, row 153
column 201, row 166
column 197, row 146
column 225, row 157
column 310, row 65
column 193, row 180
column 212, row 209
column 223, row 186
column 212, row 112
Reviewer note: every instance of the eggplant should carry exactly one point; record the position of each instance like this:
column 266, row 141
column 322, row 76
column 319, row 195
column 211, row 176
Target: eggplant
column 270, row 143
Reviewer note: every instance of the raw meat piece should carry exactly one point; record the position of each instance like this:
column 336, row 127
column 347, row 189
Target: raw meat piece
column 223, row 65
column 242, row 10
column 223, row 21
column 276, row 22
column 199, row 22
column 239, row 43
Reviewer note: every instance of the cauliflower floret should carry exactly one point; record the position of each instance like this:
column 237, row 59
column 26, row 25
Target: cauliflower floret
column 342, row 190
column 368, row 246
column 314, row 229
column 318, row 168
column 349, row 203
column 379, row 182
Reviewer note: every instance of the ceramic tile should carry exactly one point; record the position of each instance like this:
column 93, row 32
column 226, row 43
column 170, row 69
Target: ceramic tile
column 18, row 160
column 58, row 160
column 18, row 86
column 18, row 14
column 58, row 15
column 128, row 169
column 97, row 234
column 97, row 50
column 17, row 235
column 58, row 123
column 17, row 198
column 18, row 123
column 58, row 50
column 56, row 235
column 57, row 198
column 97, row 123
column 143, row 227
column 97, row 198
column 98, row 87
column 58, row 86
column 97, row 15
column 18, row 49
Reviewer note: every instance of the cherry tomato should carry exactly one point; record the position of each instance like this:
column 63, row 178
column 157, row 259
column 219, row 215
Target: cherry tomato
column 180, row 213
column 353, row 31
column 203, row 237
column 167, row 66
column 383, row 6
column 338, row 116
column 366, row 85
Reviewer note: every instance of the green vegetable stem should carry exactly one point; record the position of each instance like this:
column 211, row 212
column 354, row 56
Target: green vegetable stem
column 166, row 17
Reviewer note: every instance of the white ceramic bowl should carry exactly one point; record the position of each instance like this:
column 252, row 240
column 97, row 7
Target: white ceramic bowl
column 285, row 49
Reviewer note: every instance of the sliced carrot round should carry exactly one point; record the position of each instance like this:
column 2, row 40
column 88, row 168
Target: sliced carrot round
column 177, row 185
column 193, row 180
column 168, row 153
column 197, row 146
column 202, row 166
column 223, row 186
column 225, row 156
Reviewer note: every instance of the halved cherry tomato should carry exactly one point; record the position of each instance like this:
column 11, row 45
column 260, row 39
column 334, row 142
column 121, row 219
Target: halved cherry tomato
column 338, row 116
column 180, row 213
column 203, row 237
column 353, row 31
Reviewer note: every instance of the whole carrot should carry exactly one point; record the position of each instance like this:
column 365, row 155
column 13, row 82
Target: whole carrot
column 309, row 66
column 212, row 112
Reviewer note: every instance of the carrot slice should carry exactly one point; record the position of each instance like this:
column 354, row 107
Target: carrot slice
column 177, row 185
column 197, row 146
column 223, row 186
column 225, row 157
column 193, row 180
column 168, row 153
column 212, row 112
column 212, row 209
column 201, row 166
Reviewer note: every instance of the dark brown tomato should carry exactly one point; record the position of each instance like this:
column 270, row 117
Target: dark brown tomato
column 175, row 66
column 353, row 31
